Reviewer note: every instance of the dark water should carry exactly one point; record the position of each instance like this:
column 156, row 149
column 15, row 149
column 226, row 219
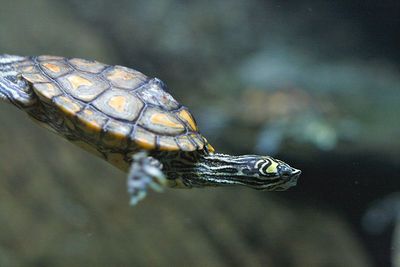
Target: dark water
column 314, row 83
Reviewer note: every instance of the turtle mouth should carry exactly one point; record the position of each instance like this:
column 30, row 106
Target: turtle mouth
column 284, row 179
column 285, row 182
column 294, row 177
column 296, row 173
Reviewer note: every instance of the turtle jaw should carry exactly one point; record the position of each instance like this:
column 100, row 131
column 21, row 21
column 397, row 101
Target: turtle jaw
column 288, row 180
column 280, row 183
column 294, row 177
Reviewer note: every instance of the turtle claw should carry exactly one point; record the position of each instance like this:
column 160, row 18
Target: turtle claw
column 145, row 172
column 136, row 198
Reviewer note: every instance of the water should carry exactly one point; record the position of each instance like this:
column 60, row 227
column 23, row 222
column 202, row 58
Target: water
column 315, row 84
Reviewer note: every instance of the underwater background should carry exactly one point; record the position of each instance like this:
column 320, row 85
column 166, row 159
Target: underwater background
column 314, row 83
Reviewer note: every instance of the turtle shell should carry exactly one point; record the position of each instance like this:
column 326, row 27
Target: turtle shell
column 113, row 106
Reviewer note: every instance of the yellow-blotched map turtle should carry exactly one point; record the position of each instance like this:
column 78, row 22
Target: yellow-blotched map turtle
column 131, row 121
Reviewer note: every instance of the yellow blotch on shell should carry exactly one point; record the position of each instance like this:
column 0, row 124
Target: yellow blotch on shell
column 88, row 112
column 144, row 143
column 76, row 81
column 168, row 143
column 144, row 139
column 210, row 148
column 93, row 126
column 165, row 120
column 52, row 67
column 91, row 122
column 67, row 105
column 118, row 103
column 185, row 144
column 187, row 117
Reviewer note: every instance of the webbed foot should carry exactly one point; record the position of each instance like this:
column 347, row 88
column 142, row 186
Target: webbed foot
column 145, row 172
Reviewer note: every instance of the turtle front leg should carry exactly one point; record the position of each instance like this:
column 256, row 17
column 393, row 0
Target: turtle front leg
column 145, row 172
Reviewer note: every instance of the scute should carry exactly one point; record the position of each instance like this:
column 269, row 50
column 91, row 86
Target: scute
column 90, row 121
column 119, row 104
column 46, row 91
column 83, row 86
column 167, row 143
column 185, row 144
column 161, row 122
column 198, row 140
column 35, row 77
column 144, row 139
column 27, row 68
column 87, row 65
column 185, row 116
column 68, row 105
column 55, row 68
column 49, row 57
column 116, row 133
column 154, row 93
column 125, row 78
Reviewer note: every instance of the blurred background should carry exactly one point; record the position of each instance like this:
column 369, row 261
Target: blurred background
column 315, row 83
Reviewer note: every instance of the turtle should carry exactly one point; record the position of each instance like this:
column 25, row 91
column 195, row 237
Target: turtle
column 133, row 122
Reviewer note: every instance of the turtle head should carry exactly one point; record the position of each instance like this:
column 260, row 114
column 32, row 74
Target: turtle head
column 271, row 174
column 258, row 172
